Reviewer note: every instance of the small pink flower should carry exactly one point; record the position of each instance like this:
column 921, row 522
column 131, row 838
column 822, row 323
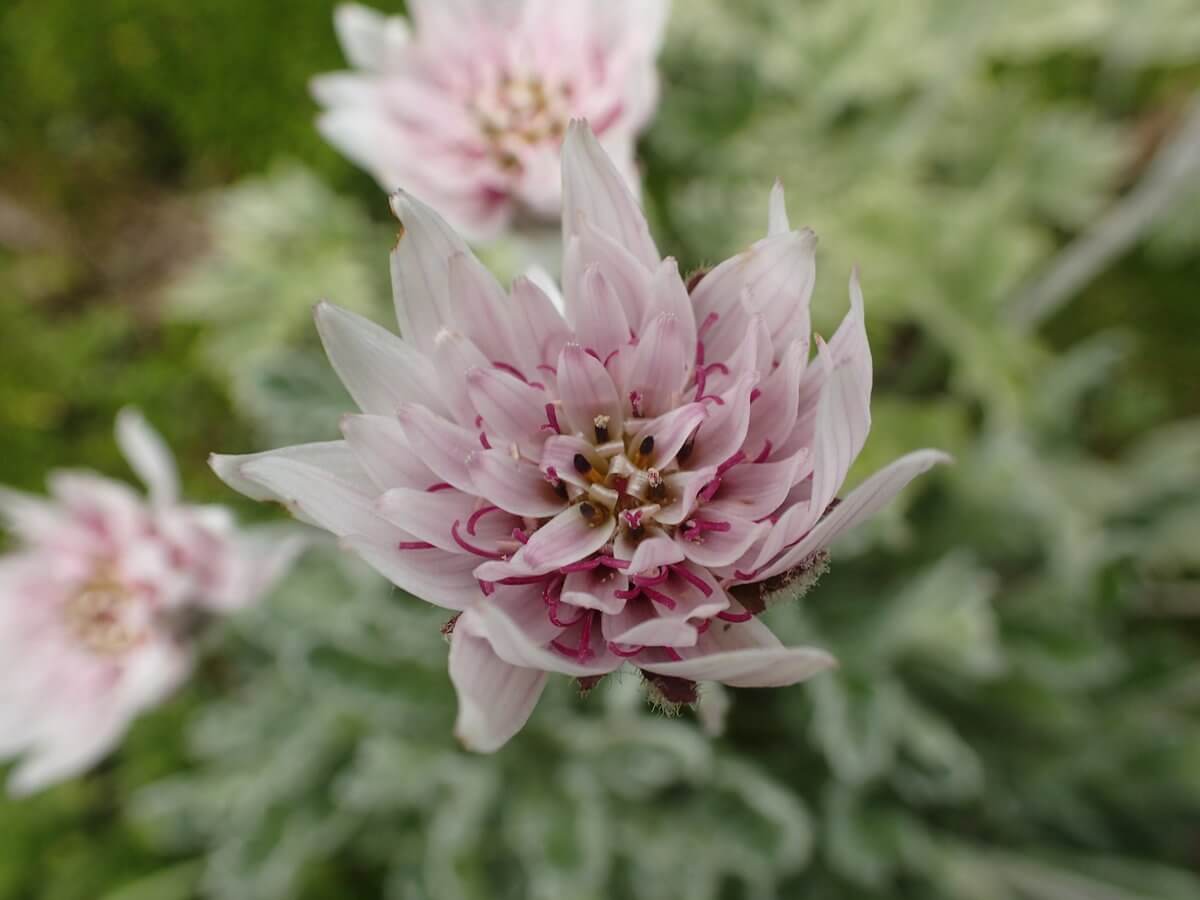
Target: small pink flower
column 468, row 109
column 590, row 490
column 93, row 596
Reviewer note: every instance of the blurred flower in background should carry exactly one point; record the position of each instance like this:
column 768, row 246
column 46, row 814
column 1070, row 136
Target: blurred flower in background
column 97, row 600
column 468, row 108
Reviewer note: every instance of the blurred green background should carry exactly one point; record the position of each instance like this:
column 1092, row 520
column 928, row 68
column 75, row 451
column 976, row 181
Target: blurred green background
column 1017, row 715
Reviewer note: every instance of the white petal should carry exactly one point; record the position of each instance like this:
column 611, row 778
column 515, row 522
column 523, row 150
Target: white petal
column 864, row 501
column 594, row 191
column 148, row 455
column 367, row 36
column 332, row 456
column 421, row 270
column 495, row 699
column 745, row 655
column 379, row 370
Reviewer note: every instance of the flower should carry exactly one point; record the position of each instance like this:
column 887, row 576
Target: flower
column 94, row 597
column 468, row 109
column 593, row 487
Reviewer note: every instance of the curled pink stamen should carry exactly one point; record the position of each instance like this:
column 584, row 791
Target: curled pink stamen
column 440, row 486
column 476, row 516
column 739, row 575
column 688, row 575
column 630, row 594
column 659, row 597
column 552, row 613
column 704, row 626
column 552, row 419
column 755, row 394
column 608, row 358
column 520, row 536
column 766, row 452
column 584, row 565
column 414, row 545
column 549, row 369
column 727, row 616
column 672, row 654
column 709, row 321
column 612, row 562
column 651, row 580
column 487, row 587
column 471, row 548
column 618, row 650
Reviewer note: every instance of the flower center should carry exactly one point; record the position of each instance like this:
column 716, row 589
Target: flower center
column 100, row 615
column 518, row 113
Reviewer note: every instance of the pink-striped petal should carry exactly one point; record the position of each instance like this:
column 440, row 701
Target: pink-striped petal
column 495, row 699
column 595, row 192
column 745, row 655
column 436, row 576
column 660, row 365
column 862, row 503
column 512, row 411
column 442, row 446
column 379, row 370
column 514, row 485
column 587, row 391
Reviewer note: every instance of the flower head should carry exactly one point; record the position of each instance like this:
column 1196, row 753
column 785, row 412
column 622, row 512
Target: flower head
column 468, row 108
column 93, row 598
column 592, row 479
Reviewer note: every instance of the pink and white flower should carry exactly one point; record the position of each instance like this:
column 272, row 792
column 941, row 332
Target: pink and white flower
column 467, row 109
column 591, row 478
column 92, row 601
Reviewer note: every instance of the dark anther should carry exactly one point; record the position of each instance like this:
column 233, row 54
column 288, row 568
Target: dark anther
column 587, row 511
column 600, row 423
column 647, row 446
column 582, row 466
column 686, row 450
column 560, row 488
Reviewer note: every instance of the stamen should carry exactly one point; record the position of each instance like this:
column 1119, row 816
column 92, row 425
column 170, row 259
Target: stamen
column 483, row 440
column 651, row 580
column 600, row 424
column 635, row 402
column 470, row 548
column 659, row 597
column 522, row 579
column 699, row 583
column 583, row 565
column 552, row 419
column 415, row 545
column 440, row 486
column 519, row 535
column 710, row 489
column 476, row 516
column 625, row 654
column 612, row 562
column 765, row 454
column 727, row 616
column 672, row 654
column 730, row 463
column 487, row 587
column 755, row 394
